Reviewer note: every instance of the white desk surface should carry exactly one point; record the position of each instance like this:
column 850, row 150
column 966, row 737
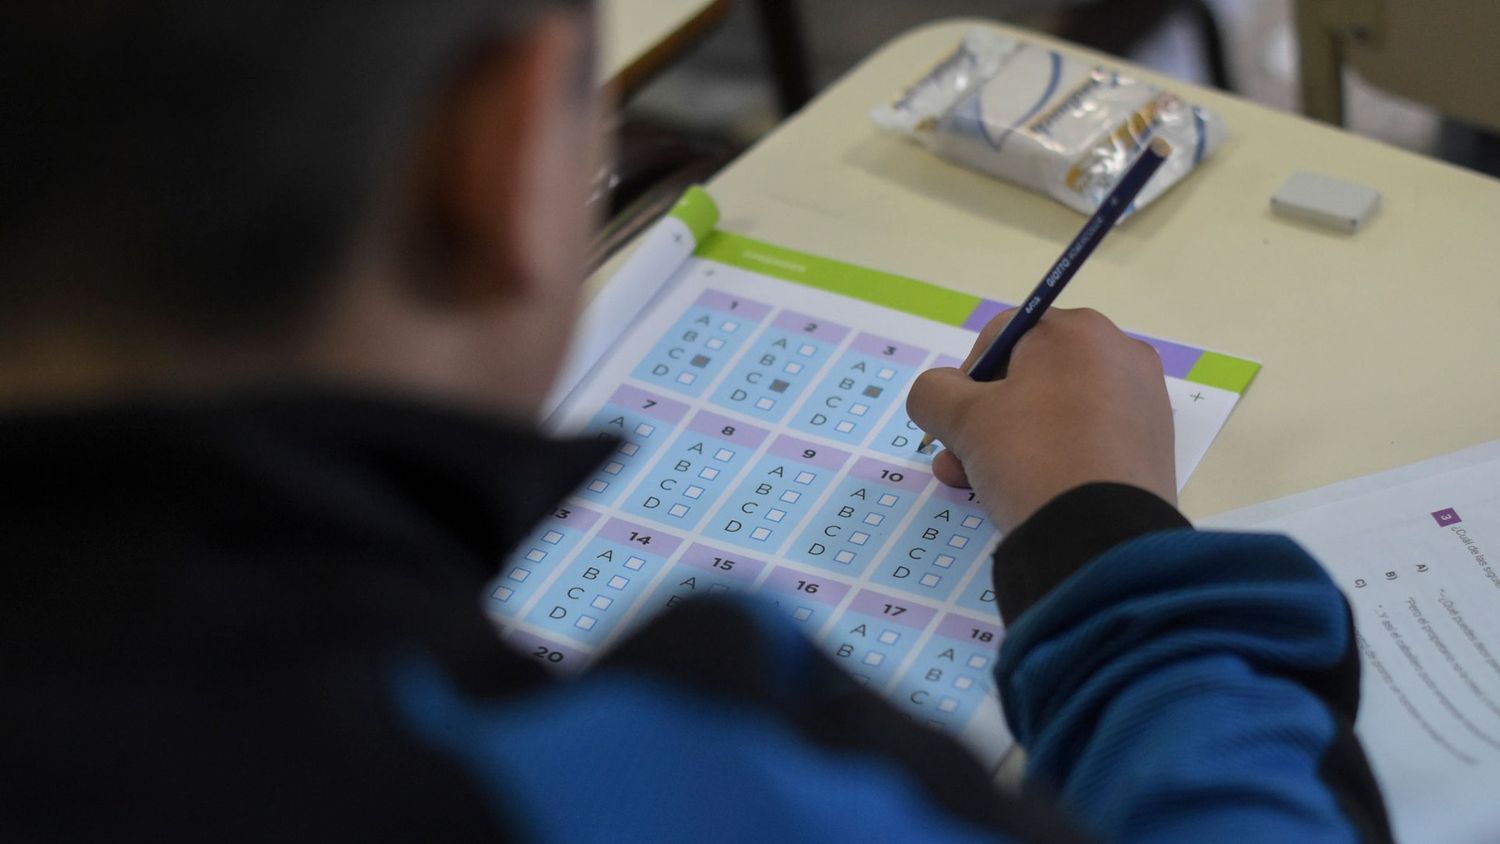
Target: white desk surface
column 1380, row 348
column 631, row 30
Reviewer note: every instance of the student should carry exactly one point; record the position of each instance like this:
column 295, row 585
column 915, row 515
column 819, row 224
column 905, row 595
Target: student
column 284, row 284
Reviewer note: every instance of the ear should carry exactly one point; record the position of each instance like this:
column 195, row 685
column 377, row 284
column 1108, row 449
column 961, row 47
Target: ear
column 503, row 179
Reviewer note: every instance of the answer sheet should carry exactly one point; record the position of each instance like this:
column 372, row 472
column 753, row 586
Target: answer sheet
column 1417, row 552
column 761, row 396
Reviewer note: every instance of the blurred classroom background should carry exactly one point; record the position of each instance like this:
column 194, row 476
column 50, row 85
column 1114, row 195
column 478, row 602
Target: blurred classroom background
column 766, row 56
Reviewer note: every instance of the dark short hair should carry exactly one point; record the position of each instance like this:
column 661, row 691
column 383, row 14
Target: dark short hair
column 202, row 163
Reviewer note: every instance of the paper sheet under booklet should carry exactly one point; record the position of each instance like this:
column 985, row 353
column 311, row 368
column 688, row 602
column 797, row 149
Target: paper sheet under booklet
column 1417, row 552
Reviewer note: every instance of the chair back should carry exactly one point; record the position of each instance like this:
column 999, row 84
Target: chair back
column 1443, row 53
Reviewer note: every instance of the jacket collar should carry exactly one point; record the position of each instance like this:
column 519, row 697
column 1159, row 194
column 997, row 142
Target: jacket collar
column 320, row 469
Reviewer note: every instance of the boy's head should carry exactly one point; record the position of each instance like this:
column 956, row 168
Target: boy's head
column 204, row 192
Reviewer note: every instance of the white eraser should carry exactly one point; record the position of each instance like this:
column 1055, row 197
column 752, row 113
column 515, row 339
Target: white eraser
column 1325, row 201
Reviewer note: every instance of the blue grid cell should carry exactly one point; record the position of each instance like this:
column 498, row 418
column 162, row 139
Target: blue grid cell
column 900, row 436
column 979, row 593
column 695, row 470
column 704, row 571
column 772, row 375
column 599, row 586
column 868, row 378
column 806, row 598
column 875, row 634
column 952, row 675
column 853, row 523
column 538, row 555
column 643, row 422
column 701, row 343
column 940, row 546
column 764, row 510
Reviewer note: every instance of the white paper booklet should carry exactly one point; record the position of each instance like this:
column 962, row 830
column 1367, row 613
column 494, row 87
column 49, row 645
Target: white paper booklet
column 761, row 395
column 1417, row 551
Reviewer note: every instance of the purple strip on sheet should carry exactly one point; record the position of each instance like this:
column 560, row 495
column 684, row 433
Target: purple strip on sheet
column 648, row 403
column 987, row 310
column 823, row 330
column 955, row 496
column 662, row 544
column 578, row 518
column 713, row 560
column 901, row 611
column 889, row 474
column 734, row 305
column 878, row 347
column 791, row 448
column 1176, row 359
column 961, row 628
column 714, row 425
column 530, row 644
column 784, row 581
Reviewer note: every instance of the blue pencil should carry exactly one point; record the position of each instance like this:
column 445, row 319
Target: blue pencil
column 992, row 364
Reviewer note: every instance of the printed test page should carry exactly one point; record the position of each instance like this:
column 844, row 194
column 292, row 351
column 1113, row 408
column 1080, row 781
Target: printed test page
column 1417, row 552
column 766, row 449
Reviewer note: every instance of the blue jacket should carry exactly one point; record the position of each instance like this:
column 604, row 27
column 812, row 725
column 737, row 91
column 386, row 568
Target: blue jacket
column 258, row 617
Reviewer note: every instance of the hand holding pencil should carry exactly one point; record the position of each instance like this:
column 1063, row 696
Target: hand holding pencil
column 1082, row 402
column 1107, row 408
column 990, row 364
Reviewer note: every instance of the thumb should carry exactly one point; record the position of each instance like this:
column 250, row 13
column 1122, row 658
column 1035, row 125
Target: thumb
column 936, row 402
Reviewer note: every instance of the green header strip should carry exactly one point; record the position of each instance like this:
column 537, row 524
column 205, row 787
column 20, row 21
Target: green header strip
column 1223, row 371
column 891, row 291
column 909, row 295
column 698, row 210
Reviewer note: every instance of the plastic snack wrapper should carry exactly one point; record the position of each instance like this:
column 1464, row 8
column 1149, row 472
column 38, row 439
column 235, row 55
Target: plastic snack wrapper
column 1052, row 123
